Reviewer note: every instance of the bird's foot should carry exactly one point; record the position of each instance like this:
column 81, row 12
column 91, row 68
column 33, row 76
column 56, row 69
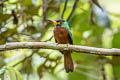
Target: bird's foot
column 66, row 48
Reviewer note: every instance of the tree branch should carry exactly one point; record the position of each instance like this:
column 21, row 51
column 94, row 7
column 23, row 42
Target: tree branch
column 91, row 13
column 73, row 9
column 65, row 5
column 61, row 47
column 44, row 7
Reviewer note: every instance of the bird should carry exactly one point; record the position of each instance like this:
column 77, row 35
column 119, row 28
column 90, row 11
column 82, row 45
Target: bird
column 63, row 35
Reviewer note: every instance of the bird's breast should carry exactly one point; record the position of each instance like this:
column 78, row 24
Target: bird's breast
column 61, row 35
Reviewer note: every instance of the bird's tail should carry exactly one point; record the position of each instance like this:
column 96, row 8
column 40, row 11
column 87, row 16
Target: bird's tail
column 68, row 63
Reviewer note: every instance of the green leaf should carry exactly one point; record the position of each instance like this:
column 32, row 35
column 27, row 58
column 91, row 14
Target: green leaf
column 11, row 73
column 116, row 40
column 4, row 17
column 27, row 2
column 6, row 76
column 2, row 70
column 32, row 10
column 19, row 76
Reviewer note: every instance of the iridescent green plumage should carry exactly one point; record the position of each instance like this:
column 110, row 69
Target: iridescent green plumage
column 66, row 25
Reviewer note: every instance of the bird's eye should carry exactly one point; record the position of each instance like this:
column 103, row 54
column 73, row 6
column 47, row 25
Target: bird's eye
column 58, row 22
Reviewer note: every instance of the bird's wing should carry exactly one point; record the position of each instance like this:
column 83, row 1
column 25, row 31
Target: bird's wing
column 70, row 37
column 65, row 24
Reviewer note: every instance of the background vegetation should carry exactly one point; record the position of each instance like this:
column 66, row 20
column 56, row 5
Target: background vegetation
column 26, row 20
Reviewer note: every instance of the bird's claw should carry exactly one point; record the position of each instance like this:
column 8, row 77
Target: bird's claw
column 66, row 48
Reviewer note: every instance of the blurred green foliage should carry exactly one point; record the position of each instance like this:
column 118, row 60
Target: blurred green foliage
column 22, row 20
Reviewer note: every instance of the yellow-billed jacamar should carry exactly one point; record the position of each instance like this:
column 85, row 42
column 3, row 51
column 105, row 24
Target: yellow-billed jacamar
column 63, row 35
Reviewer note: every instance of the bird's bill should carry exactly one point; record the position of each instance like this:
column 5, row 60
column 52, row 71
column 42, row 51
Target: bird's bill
column 54, row 22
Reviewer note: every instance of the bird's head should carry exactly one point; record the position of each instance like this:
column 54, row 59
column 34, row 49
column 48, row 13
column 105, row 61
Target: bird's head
column 59, row 22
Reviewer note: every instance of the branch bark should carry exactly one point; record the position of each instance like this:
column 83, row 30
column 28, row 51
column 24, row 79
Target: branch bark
column 61, row 47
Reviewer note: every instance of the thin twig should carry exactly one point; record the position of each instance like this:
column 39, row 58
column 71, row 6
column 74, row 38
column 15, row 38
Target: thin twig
column 15, row 17
column 103, row 72
column 23, row 60
column 61, row 47
column 73, row 9
column 44, row 7
column 91, row 13
column 44, row 19
column 65, row 5
column 97, row 4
